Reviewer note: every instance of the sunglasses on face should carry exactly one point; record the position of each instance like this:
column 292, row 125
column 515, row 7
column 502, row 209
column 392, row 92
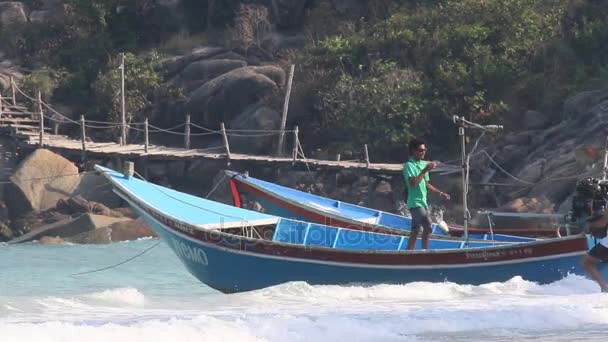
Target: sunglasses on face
column 421, row 150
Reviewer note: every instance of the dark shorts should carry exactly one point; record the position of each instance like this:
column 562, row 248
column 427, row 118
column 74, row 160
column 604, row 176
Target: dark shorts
column 599, row 252
column 420, row 217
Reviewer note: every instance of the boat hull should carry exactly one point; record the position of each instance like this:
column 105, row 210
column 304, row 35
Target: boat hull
column 276, row 205
column 232, row 264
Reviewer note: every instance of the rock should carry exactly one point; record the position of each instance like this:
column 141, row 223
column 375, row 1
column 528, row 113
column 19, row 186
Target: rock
column 79, row 205
column 535, row 120
column 382, row 196
column 131, row 230
column 51, row 13
column 226, row 96
column 6, row 233
column 70, row 227
column 579, row 104
column 96, row 188
column 51, row 240
column 101, row 235
column 255, row 117
column 209, row 69
column 346, row 177
column 40, row 181
column 521, row 138
column 12, row 13
column 173, row 66
column 120, row 231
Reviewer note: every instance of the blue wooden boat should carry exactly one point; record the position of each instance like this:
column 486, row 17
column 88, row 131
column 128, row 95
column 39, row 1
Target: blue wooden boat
column 233, row 249
column 287, row 202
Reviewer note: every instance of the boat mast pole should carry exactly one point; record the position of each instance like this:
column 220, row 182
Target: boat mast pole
column 462, row 123
column 465, row 185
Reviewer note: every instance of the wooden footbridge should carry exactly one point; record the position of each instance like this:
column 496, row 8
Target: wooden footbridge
column 29, row 125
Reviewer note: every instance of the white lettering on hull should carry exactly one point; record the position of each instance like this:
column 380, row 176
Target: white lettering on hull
column 193, row 254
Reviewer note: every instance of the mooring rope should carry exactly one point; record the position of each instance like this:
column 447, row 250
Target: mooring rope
column 122, row 262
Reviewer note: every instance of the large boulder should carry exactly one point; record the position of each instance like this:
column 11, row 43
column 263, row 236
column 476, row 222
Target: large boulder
column 51, row 11
column 12, row 13
column 209, row 69
column 174, row 65
column 535, row 120
column 41, row 180
column 255, row 117
column 224, row 97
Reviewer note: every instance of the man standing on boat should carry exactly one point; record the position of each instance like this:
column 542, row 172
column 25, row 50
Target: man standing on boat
column 416, row 174
column 598, row 227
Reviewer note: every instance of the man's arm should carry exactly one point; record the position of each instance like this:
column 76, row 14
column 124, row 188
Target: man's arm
column 435, row 190
column 414, row 181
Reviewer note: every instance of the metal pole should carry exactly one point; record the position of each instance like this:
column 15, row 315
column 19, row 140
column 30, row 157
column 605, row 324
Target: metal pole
column 463, row 159
column 83, row 133
column 0, row 106
column 285, row 108
column 366, row 156
column 296, row 142
column 122, row 100
column 187, row 133
column 605, row 171
column 13, row 91
column 41, row 118
column 225, row 136
column 146, row 142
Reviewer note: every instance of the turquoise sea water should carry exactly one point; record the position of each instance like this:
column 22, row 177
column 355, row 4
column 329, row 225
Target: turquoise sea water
column 153, row 298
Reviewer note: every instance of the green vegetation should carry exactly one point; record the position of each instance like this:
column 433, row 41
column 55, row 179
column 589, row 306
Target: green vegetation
column 389, row 78
column 377, row 73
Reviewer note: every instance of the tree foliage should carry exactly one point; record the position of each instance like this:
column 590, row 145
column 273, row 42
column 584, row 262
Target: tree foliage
column 483, row 59
column 141, row 85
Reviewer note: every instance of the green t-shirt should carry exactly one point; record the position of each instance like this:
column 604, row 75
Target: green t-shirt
column 416, row 196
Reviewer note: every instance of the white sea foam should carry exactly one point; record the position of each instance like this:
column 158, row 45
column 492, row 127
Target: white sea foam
column 126, row 296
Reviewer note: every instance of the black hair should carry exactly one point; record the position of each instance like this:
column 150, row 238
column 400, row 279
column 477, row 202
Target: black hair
column 415, row 144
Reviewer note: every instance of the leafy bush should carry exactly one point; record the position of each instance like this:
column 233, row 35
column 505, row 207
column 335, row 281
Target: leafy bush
column 488, row 60
column 141, row 83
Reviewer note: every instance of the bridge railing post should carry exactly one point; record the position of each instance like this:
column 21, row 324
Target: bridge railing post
column 41, row 118
column 83, row 133
column 225, row 136
column 187, row 133
column 146, row 136
column 296, row 143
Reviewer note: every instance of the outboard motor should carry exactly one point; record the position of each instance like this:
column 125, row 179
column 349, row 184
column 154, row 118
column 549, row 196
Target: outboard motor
column 589, row 201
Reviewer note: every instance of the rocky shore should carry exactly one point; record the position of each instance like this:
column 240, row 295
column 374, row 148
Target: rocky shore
column 46, row 199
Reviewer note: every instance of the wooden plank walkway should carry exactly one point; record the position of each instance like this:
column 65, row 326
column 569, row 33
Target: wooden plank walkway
column 72, row 147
